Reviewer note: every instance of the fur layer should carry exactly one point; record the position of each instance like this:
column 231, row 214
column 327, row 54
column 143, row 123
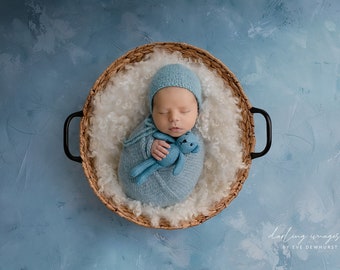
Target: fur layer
column 122, row 105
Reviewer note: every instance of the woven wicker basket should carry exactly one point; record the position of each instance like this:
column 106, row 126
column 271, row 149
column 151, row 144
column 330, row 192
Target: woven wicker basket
column 246, row 125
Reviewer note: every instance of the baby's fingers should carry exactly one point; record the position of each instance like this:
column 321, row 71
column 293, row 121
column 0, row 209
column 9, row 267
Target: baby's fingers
column 164, row 144
column 158, row 155
column 161, row 152
column 159, row 149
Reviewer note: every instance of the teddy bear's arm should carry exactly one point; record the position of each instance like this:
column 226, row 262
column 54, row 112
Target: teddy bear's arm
column 140, row 168
column 145, row 174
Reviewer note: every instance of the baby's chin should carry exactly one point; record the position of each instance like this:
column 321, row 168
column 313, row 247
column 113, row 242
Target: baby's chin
column 175, row 133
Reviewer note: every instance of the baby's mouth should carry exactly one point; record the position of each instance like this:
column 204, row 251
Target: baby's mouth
column 175, row 129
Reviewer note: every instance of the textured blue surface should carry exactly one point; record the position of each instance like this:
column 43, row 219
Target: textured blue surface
column 286, row 55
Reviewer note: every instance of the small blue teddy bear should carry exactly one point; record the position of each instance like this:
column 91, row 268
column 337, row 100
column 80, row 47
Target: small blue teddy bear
column 185, row 144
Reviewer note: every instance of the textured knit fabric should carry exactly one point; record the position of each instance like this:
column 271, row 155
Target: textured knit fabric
column 175, row 75
column 162, row 188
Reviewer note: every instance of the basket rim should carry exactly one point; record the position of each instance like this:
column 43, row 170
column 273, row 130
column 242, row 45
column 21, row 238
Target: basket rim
column 246, row 125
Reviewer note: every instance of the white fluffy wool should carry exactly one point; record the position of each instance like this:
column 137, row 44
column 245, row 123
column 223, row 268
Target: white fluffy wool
column 119, row 108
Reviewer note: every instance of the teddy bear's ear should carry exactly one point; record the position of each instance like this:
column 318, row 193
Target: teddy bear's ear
column 196, row 149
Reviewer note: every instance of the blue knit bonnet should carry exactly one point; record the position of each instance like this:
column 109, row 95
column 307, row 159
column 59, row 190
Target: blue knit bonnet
column 175, row 75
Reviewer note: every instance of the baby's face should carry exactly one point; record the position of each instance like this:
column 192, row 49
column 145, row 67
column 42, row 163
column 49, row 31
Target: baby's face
column 175, row 111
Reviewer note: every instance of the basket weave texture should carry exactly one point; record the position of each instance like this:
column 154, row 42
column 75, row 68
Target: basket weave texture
column 246, row 125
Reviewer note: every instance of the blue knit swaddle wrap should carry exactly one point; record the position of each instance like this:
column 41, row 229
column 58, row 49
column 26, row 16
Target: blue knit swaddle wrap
column 162, row 188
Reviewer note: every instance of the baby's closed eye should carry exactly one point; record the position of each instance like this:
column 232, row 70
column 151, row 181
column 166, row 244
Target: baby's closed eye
column 163, row 112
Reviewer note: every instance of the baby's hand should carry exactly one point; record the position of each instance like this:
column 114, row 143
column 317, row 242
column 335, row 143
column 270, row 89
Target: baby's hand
column 159, row 149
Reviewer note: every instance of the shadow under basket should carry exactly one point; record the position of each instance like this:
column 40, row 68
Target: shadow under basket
column 246, row 125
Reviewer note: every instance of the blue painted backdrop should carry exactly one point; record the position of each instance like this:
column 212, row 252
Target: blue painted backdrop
column 286, row 55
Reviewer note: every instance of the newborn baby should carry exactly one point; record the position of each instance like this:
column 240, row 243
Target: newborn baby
column 175, row 100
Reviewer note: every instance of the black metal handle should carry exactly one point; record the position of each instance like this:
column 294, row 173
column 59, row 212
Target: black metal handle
column 269, row 132
column 66, row 133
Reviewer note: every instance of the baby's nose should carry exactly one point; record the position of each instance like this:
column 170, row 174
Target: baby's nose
column 173, row 117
